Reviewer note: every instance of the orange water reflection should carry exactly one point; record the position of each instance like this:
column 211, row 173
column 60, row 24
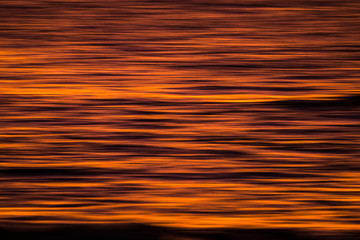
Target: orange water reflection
column 194, row 114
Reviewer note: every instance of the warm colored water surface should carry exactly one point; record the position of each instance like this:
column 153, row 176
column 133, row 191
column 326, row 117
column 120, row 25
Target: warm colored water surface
column 189, row 113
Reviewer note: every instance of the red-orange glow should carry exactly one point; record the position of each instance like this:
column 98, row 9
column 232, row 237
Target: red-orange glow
column 185, row 114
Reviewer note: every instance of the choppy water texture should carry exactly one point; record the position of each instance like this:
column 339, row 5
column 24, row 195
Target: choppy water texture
column 241, row 114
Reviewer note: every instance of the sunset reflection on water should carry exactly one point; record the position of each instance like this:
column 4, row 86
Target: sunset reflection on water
column 180, row 113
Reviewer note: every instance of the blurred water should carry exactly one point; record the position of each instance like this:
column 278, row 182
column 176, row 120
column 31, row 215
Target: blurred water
column 180, row 113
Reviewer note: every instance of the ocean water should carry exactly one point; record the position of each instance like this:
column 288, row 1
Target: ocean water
column 186, row 114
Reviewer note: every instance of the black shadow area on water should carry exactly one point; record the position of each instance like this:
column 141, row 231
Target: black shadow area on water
column 147, row 232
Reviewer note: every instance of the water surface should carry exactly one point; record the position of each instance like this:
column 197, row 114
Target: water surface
column 194, row 114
